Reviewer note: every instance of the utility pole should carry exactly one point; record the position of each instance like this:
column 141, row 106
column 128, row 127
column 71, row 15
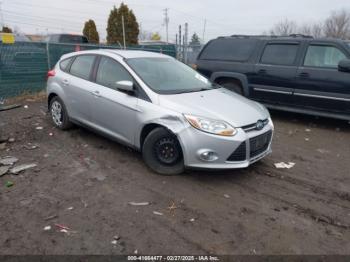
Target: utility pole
column 166, row 22
column 205, row 25
column 123, row 31
column 1, row 17
column 180, row 48
column 186, row 42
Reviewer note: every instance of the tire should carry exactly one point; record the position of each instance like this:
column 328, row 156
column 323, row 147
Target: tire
column 233, row 87
column 59, row 115
column 162, row 152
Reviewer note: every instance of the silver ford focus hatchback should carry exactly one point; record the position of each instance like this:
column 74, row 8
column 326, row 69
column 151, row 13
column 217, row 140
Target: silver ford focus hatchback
column 176, row 117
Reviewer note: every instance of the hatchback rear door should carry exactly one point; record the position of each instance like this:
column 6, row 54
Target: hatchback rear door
column 77, row 87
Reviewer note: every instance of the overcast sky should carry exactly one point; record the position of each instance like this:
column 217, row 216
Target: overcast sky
column 224, row 17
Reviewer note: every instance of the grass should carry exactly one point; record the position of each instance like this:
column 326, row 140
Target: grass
column 26, row 97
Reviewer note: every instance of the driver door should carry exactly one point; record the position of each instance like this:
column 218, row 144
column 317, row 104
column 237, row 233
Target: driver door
column 320, row 85
column 113, row 111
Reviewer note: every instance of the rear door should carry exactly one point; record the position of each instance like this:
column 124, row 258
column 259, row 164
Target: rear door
column 319, row 83
column 274, row 74
column 114, row 112
column 78, row 87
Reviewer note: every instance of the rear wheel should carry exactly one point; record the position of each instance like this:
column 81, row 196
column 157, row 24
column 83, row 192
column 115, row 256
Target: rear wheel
column 232, row 86
column 59, row 114
column 162, row 152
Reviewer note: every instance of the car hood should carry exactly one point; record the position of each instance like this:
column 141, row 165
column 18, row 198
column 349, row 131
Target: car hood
column 218, row 104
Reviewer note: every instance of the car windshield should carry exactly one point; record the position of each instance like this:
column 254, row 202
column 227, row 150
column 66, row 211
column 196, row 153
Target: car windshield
column 169, row 76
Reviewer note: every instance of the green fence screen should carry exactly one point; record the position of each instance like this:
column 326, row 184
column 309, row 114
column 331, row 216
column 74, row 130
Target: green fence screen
column 24, row 65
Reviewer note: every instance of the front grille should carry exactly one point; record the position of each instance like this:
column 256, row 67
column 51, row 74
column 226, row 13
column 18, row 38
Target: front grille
column 252, row 127
column 259, row 144
column 240, row 154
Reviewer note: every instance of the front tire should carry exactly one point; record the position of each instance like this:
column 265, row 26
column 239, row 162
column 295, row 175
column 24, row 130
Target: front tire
column 162, row 152
column 59, row 114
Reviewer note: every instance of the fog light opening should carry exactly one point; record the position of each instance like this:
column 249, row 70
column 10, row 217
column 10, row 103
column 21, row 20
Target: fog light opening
column 208, row 156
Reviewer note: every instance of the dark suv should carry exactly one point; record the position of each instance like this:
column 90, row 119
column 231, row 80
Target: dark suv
column 67, row 39
column 295, row 73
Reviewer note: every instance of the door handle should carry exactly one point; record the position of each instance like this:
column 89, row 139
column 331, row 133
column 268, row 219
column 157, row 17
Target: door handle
column 96, row 93
column 304, row 75
column 262, row 72
column 65, row 82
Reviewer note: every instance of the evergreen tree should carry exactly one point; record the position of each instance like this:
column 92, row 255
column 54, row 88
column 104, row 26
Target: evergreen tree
column 195, row 41
column 90, row 31
column 115, row 27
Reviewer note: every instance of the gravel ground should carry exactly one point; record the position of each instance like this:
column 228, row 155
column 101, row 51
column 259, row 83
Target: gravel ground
column 85, row 182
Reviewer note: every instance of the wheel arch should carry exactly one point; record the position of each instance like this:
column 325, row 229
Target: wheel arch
column 238, row 78
column 50, row 97
column 148, row 128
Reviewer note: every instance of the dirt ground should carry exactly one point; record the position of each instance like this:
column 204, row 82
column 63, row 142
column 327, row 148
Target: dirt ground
column 85, row 182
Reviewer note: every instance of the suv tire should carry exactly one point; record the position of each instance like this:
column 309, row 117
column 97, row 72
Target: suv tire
column 233, row 87
column 162, row 152
column 59, row 114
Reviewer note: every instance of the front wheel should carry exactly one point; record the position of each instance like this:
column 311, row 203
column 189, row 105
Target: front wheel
column 162, row 152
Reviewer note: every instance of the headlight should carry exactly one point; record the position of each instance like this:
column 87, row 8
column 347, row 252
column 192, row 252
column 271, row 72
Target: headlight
column 216, row 127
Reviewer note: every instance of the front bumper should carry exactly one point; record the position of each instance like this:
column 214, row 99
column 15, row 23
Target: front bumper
column 194, row 142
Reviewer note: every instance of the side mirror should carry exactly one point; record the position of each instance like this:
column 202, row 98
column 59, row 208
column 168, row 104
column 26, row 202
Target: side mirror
column 126, row 86
column 344, row 66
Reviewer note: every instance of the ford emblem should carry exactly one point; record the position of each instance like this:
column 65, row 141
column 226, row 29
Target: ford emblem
column 259, row 125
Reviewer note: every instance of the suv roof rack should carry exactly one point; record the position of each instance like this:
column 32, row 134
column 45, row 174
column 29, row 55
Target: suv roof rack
column 269, row 36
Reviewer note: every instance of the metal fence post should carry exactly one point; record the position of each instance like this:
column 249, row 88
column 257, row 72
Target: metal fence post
column 48, row 56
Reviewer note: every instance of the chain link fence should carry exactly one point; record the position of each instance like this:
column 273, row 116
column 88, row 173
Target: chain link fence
column 24, row 65
column 188, row 53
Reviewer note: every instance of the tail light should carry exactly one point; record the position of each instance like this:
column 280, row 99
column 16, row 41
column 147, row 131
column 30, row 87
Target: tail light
column 51, row 73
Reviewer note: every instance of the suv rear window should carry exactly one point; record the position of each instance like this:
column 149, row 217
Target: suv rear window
column 279, row 54
column 229, row 49
column 73, row 39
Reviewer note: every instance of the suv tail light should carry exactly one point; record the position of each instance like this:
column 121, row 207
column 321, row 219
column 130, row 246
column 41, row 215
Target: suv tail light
column 51, row 73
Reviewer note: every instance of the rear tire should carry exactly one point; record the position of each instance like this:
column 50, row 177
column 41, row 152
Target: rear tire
column 162, row 152
column 233, row 87
column 59, row 114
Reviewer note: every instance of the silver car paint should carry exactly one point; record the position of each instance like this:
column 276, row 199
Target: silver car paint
column 123, row 117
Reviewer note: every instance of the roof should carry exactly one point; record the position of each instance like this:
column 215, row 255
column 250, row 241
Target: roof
column 123, row 53
column 281, row 37
column 134, row 53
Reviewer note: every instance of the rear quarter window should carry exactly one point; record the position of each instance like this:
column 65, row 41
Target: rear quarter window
column 64, row 64
column 229, row 49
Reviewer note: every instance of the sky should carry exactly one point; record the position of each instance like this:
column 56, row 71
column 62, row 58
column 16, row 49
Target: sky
column 223, row 17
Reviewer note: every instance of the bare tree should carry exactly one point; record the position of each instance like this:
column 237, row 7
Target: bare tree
column 284, row 27
column 338, row 25
column 315, row 30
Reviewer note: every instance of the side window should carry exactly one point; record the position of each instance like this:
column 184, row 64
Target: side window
column 280, row 54
column 229, row 49
column 110, row 71
column 64, row 64
column 82, row 66
column 323, row 56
